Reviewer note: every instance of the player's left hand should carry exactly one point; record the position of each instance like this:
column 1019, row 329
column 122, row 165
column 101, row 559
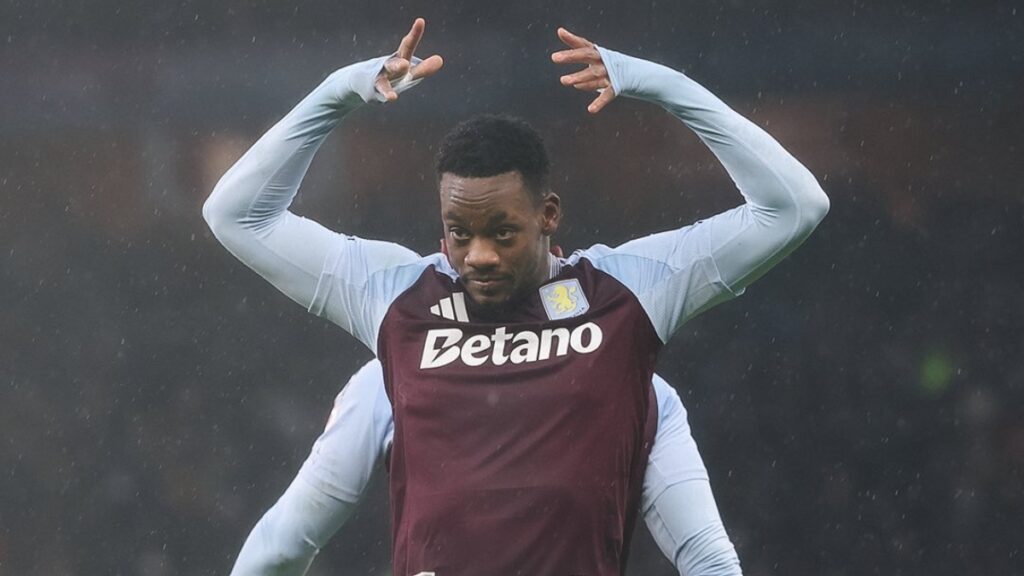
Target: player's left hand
column 593, row 77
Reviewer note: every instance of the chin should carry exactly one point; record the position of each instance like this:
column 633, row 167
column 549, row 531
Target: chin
column 489, row 306
column 488, row 300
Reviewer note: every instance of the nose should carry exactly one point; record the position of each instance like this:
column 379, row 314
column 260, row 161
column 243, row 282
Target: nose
column 481, row 255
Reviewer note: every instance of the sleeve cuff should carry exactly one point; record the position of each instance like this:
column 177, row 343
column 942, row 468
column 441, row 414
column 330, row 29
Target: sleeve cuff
column 359, row 78
column 613, row 63
column 638, row 78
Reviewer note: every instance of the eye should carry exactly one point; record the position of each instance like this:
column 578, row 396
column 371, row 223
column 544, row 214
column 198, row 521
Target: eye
column 505, row 234
column 458, row 234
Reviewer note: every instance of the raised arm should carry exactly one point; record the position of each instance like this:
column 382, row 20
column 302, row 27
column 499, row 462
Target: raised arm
column 248, row 209
column 718, row 257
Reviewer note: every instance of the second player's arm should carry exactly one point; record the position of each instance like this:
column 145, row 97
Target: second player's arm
column 678, row 506
column 324, row 494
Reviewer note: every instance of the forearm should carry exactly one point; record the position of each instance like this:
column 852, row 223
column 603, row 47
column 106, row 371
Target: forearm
column 288, row 537
column 784, row 202
column 685, row 524
column 248, row 209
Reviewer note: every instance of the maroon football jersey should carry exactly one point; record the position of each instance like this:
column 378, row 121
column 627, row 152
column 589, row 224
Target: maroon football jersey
column 519, row 446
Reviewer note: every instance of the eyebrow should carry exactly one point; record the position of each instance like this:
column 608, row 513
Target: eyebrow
column 493, row 220
column 497, row 218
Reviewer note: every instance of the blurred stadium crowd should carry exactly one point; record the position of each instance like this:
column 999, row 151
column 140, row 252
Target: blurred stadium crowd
column 860, row 409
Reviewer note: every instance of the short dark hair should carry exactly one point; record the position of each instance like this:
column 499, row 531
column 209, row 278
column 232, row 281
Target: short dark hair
column 488, row 145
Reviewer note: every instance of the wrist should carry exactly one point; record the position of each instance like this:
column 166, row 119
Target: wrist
column 637, row 78
column 359, row 80
column 355, row 83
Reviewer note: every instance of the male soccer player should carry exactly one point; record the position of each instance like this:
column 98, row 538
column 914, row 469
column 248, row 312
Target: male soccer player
column 677, row 503
column 519, row 382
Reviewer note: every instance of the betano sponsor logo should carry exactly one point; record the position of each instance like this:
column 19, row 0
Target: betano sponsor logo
column 446, row 345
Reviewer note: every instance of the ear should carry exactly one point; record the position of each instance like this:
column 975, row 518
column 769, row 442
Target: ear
column 551, row 214
column 444, row 246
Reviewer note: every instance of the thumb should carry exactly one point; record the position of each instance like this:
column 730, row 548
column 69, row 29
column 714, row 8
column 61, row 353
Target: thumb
column 396, row 67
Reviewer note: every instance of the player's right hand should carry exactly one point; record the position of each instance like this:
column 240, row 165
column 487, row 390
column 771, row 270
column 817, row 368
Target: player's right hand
column 401, row 64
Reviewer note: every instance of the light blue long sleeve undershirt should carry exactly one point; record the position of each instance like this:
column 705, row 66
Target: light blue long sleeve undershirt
column 675, row 275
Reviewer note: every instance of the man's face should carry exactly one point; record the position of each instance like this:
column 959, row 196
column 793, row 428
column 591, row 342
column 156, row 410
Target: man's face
column 497, row 236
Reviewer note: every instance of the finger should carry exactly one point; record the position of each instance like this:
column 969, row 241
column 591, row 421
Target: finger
column 412, row 39
column 588, row 55
column 593, row 85
column 383, row 85
column 396, row 67
column 427, row 68
column 573, row 40
column 601, row 101
column 592, row 72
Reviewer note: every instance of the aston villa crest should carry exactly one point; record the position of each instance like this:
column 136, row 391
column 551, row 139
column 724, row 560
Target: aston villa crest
column 563, row 299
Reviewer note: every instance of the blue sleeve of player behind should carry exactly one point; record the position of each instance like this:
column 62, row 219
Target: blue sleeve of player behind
column 674, row 457
column 290, row 534
column 355, row 439
column 678, row 506
column 329, row 485
column 685, row 524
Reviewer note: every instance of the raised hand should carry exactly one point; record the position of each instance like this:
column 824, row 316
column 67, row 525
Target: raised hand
column 400, row 65
column 593, row 77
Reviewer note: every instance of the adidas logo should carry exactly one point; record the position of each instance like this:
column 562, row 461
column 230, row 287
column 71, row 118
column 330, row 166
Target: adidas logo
column 451, row 308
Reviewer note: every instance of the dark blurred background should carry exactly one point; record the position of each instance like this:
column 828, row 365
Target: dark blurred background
column 860, row 409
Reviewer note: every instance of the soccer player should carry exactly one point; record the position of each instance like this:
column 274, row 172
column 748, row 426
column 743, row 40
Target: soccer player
column 520, row 383
column 677, row 503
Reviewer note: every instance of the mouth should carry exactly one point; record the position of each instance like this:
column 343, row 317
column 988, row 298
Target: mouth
column 488, row 283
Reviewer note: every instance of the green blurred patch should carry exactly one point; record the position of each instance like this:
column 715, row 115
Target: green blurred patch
column 936, row 373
